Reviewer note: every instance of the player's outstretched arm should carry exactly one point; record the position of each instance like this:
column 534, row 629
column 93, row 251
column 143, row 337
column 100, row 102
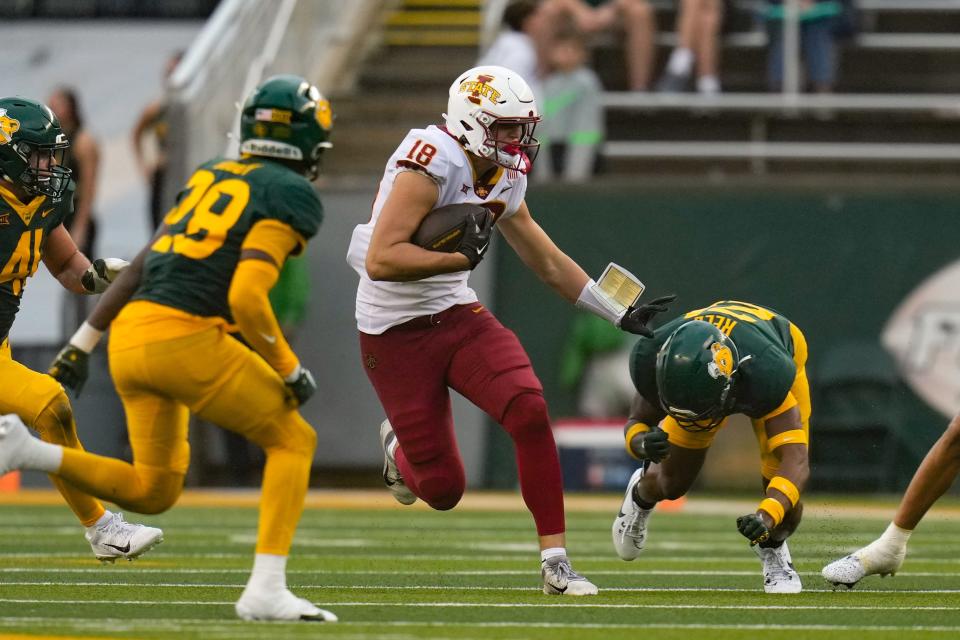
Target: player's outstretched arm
column 70, row 367
column 542, row 256
column 391, row 256
column 74, row 270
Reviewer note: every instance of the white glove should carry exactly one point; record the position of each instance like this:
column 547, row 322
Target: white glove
column 101, row 273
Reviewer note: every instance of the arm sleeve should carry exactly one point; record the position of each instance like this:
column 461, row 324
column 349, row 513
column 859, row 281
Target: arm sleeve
column 249, row 289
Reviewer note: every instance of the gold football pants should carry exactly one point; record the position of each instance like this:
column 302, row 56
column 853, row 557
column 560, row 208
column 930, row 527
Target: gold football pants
column 40, row 402
column 214, row 376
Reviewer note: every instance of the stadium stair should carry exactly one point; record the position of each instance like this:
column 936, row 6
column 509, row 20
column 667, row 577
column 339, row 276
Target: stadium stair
column 403, row 84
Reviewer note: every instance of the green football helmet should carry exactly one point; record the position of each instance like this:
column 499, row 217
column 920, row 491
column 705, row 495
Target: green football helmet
column 695, row 373
column 32, row 147
column 287, row 118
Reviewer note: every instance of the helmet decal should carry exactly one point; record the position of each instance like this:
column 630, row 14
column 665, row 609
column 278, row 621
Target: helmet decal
column 480, row 88
column 273, row 115
column 723, row 363
column 8, row 127
column 324, row 114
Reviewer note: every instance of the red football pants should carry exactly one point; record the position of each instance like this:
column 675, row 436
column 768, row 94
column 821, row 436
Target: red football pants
column 464, row 348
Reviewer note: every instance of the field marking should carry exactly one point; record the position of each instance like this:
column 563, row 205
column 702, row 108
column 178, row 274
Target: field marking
column 432, row 587
column 561, row 625
column 518, row 605
column 626, row 571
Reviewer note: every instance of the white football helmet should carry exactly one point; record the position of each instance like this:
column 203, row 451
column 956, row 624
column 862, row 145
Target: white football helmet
column 486, row 96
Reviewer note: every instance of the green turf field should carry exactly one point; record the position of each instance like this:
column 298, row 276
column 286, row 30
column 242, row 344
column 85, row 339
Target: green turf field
column 405, row 573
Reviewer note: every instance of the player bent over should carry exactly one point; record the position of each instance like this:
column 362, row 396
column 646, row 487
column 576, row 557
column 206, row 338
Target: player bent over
column 422, row 330
column 36, row 195
column 731, row 357
column 212, row 263
column 884, row 555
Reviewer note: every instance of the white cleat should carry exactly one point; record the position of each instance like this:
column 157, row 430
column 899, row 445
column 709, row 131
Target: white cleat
column 116, row 539
column 630, row 526
column 779, row 576
column 873, row 559
column 255, row 604
column 14, row 441
column 391, row 474
column 559, row 579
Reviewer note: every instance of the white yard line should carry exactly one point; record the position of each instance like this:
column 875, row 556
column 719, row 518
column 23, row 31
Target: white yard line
column 431, row 587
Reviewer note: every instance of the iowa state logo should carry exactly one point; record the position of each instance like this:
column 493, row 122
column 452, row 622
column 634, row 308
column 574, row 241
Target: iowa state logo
column 480, row 88
column 8, row 127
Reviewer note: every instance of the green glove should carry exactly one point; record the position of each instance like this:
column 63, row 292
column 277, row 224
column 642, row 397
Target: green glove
column 71, row 368
column 752, row 528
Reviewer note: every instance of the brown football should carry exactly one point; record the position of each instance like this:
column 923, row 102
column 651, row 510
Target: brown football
column 442, row 229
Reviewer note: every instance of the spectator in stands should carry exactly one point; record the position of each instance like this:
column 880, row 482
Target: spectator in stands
column 514, row 47
column 818, row 42
column 153, row 120
column 698, row 38
column 84, row 160
column 635, row 17
column 572, row 127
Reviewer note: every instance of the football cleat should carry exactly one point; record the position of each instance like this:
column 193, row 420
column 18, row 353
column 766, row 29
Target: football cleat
column 875, row 558
column 15, row 441
column 391, row 474
column 257, row 604
column 116, row 538
column 630, row 525
column 559, row 579
column 779, row 576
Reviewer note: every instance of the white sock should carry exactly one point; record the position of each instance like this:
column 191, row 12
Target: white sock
column 708, row 85
column 42, row 456
column 269, row 572
column 103, row 520
column 681, row 62
column 896, row 537
column 552, row 552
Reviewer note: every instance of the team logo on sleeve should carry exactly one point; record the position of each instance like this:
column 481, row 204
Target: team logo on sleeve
column 722, row 364
column 480, row 89
column 8, row 127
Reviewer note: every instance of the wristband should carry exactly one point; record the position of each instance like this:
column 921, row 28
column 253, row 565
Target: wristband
column 785, row 487
column 635, row 428
column 294, row 374
column 589, row 301
column 86, row 337
column 773, row 508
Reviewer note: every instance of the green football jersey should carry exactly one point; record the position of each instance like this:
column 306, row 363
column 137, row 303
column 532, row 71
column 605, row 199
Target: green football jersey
column 762, row 334
column 191, row 266
column 24, row 229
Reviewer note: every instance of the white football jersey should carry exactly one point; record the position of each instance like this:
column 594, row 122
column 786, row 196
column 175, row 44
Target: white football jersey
column 434, row 152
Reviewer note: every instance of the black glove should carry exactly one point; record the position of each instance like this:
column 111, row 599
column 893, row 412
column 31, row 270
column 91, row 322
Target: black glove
column 752, row 528
column 636, row 319
column 652, row 445
column 101, row 273
column 303, row 386
column 476, row 237
column 71, row 368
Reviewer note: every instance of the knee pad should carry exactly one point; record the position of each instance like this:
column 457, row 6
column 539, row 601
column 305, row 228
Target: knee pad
column 55, row 422
column 526, row 414
column 289, row 432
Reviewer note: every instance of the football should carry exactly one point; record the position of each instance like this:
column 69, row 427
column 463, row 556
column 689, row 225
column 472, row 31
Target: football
column 442, row 229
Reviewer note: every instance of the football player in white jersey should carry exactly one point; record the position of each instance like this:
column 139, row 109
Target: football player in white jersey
column 422, row 330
